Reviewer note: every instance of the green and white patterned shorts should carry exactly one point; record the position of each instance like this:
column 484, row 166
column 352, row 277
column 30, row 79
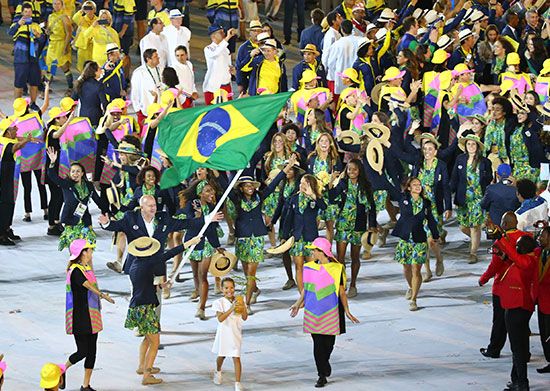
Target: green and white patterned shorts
column 411, row 253
column 206, row 252
column 145, row 318
column 351, row 237
column 250, row 250
column 299, row 249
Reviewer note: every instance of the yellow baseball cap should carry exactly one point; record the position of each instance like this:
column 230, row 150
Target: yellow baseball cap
column 20, row 106
column 119, row 102
column 512, row 59
column 6, row 123
column 50, row 375
column 350, row 73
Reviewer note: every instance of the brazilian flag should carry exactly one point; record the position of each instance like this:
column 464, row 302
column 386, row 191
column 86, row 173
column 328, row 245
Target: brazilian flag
column 220, row 137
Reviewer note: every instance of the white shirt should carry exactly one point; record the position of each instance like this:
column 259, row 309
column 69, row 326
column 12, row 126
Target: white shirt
column 158, row 42
column 144, row 80
column 176, row 37
column 527, row 219
column 186, row 76
column 218, row 61
column 341, row 55
column 330, row 37
column 150, row 226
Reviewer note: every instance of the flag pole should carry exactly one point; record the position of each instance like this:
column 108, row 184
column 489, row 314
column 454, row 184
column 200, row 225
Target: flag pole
column 207, row 221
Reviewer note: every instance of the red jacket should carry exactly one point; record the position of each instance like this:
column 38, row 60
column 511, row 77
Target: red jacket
column 518, row 278
column 498, row 266
column 541, row 286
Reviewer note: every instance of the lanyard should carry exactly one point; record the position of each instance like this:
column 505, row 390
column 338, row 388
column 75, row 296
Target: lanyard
column 153, row 77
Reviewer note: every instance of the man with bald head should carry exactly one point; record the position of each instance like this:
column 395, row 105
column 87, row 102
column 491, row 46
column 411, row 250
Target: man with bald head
column 496, row 270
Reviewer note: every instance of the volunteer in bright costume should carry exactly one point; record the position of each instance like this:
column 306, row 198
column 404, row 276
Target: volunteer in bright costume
column 83, row 20
column 100, row 33
column 60, row 32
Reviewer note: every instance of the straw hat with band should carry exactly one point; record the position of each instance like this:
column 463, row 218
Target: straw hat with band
column 126, row 147
column 440, row 56
column 370, row 27
column 462, row 142
column 544, row 109
column 476, row 16
column 480, row 118
column 375, row 156
column 431, row 16
column 311, row 48
column 377, row 131
column 77, row 246
column 349, row 137
column 281, row 248
column 397, row 100
column 380, row 35
column 175, row 13
column 364, row 42
column 50, row 375
column 272, row 174
column 429, row 137
column 56, row 112
column 349, row 73
column 444, row 42
column 519, row 103
column 20, row 106
column 111, row 47
column 393, row 73
column 247, row 179
column 376, row 91
column 299, row 170
column 369, row 239
column 112, row 195
column 263, row 36
column 255, row 25
column 144, row 246
column 386, row 15
column 419, row 13
column 269, row 43
column 464, row 34
column 222, row 264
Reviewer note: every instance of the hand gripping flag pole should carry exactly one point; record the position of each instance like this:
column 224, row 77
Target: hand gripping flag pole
column 207, row 221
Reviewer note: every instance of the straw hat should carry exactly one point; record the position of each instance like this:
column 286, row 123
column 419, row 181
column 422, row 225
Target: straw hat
column 375, row 155
column 175, row 13
column 144, row 246
column 419, row 13
column 440, row 56
column 112, row 195
column 429, row 137
column 518, row 103
column 431, row 16
column 222, row 264
column 462, row 142
column 376, row 131
column 255, row 24
column 296, row 166
column 269, row 43
column 369, row 239
column 495, row 160
column 349, row 137
column 476, row 16
column 544, row 109
column 263, row 36
column 126, row 147
column 480, row 118
column 386, row 15
column 375, row 92
column 111, row 47
column 311, row 48
column 464, row 34
column 272, row 174
column 281, row 248
column 393, row 73
column 247, row 179
column 444, row 42
column 380, row 34
column 370, row 27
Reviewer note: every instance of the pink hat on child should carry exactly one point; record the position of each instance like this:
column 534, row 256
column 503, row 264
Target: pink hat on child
column 322, row 244
column 77, row 246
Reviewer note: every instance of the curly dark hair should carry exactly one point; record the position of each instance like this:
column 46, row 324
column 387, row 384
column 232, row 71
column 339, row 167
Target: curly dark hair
column 141, row 176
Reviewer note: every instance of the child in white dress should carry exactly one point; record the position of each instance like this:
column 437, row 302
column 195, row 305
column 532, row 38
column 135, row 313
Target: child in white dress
column 230, row 313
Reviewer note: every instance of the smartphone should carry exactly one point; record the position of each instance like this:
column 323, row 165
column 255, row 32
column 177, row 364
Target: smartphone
column 88, row 8
column 103, row 22
column 196, row 203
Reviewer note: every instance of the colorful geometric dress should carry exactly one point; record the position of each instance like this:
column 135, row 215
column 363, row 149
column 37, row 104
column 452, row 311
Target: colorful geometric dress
column 322, row 170
column 470, row 215
column 519, row 157
column 323, row 313
column 427, row 178
column 345, row 223
column 94, row 305
column 407, row 252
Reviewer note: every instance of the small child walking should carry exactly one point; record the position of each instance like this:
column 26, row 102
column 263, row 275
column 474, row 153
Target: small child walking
column 231, row 313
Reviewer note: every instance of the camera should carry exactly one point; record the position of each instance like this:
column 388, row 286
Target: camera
column 540, row 224
column 103, row 22
column 88, row 8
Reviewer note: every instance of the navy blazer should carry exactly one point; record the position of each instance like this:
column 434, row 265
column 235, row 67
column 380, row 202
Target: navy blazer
column 458, row 177
column 256, row 65
column 363, row 214
column 251, row 223
column 71, row 201
column 411, row 225
column 210, row 234
column 301, row 225
column 301, row 67
column 499, row 199
column 442, row 191
column 93, row 101
column 133, row 226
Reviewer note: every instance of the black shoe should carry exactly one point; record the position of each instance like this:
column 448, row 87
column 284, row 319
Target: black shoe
column 545, row 369
column 5, row 241
column 46, row 217
column 329, row 372
column 509, row 385
column 63, row 380
column 55, row 231
column 321, row 382
column 13, row 236
column 27, row 219
column 60, row 226
column 486, row 353
column 89, row 388
column 161, row 346
column 179, row 278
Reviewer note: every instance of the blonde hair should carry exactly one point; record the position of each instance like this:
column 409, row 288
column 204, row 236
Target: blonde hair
column 332, row 152
column 269, row 156
column 108, row 14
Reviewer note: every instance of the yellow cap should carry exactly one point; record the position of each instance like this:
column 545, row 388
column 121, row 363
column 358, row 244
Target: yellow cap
column 167, row 98
column 5, row 124
column 445, row 78
column 50, row 375
column 392, row 73
column 506, row 85
column 113, row 108
column 67, row 103
column 55, row 112
column 351, row 74
column 440, row 56
column 119, row 102
column 308, row 75
column 153, row 109
column 512, row 59
column 461, row 69
column 20, row 106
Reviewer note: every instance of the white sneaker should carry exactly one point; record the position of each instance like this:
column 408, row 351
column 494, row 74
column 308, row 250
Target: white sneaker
column 217, row 379
column 238, row 386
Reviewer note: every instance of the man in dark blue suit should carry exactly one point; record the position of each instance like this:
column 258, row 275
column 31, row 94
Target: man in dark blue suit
column 500, row 197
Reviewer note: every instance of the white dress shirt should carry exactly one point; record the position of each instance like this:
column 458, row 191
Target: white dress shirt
column 158, row 42
column 330, row 37
column 150, row 226
column 218, row 61
column 176, row 37
column 341, row 55
column 186, row 76
column 144, row 80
